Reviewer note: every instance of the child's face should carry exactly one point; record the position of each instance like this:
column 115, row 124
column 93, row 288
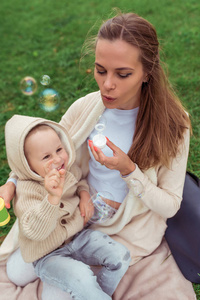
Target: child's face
column 43, row 146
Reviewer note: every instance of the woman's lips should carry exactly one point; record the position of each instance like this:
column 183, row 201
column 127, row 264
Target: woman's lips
column 108, row 99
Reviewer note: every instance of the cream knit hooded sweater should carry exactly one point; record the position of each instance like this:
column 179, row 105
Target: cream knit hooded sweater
column 139, row 223
column 43, row 227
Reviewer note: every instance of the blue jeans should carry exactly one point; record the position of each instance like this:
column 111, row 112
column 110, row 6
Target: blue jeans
column 68, row 267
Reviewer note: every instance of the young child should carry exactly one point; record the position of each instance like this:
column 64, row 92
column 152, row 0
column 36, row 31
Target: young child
column 41, row 154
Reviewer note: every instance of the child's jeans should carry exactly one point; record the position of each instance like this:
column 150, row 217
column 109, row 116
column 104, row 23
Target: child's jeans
column 68, row 267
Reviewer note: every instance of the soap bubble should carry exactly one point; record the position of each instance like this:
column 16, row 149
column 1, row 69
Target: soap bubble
column 49, row 100
column 101, row 124
column 45, row 80
column 102, row 210
column 28, row 85
column 137, row 187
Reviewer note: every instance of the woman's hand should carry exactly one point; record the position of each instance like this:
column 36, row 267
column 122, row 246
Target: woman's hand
column 119, row 161
column 54, row 183
column 7, row 192
column 86, row 206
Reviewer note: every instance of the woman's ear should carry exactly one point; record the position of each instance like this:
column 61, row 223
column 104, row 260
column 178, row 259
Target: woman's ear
column 146, row 79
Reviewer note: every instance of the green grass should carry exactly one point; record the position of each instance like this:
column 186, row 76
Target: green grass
column 45, row 37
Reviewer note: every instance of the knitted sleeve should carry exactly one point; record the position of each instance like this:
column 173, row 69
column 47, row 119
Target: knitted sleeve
column 165, row 197
column 37, row 217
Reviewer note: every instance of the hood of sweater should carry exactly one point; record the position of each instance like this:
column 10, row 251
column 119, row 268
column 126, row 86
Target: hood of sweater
column 16, row 130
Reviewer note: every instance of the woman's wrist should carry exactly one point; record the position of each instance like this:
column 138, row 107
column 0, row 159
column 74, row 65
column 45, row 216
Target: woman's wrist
column 129, row 169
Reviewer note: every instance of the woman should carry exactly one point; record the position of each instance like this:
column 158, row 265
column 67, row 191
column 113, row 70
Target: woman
column 147, row 135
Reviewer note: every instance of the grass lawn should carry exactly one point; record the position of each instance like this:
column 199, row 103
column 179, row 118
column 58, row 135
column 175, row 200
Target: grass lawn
column 46, row 37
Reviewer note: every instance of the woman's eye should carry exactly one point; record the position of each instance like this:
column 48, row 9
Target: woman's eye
column 59, row 149
column 124, row 75
column 101, row 72
column 121, row 75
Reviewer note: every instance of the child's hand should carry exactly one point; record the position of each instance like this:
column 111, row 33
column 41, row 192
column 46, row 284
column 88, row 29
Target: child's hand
column 54, row 182
column 86, row 206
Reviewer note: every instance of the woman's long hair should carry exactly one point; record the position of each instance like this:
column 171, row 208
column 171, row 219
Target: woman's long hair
column 161, row 120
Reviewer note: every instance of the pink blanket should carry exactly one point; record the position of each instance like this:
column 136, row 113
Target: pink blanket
column 156, row 277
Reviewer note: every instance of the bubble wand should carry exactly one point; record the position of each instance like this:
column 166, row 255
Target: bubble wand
column 99, row 140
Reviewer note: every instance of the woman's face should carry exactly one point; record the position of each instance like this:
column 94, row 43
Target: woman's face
column 119, row 74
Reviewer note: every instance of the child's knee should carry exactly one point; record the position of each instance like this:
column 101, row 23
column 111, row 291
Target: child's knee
column 18, row 271
column 121, row 257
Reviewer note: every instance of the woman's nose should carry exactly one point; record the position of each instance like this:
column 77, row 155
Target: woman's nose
column 109, row 83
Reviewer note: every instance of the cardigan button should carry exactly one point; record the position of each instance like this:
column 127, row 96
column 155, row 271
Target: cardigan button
column 61, row 205
column 63, row 221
